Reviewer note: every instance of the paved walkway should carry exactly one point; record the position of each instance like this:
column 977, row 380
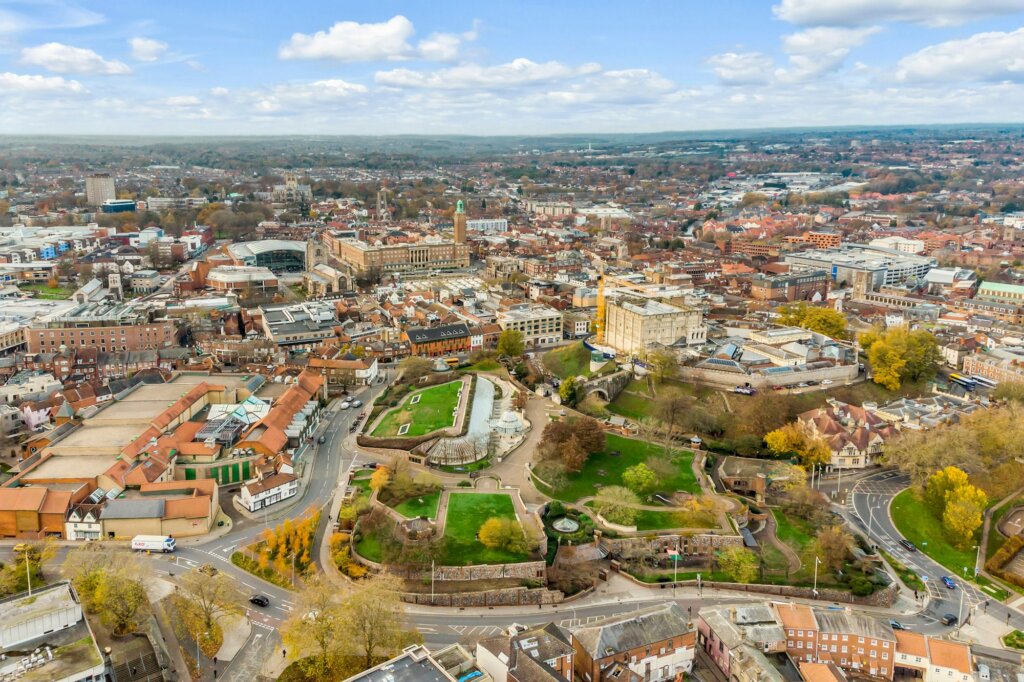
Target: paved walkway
column 768, row 534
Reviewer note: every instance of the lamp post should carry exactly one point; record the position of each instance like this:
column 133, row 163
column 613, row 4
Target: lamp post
column 28, row 573
column 814, row 591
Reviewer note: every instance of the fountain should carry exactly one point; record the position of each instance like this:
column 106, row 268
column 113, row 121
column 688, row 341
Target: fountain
column 564, row 524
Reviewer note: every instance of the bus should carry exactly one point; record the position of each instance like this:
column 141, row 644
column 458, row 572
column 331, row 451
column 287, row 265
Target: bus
column 984, row 381
column 966, row 382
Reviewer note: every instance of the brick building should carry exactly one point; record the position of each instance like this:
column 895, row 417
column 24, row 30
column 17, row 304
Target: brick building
column 806, row 286
column 433, row 342
column 104, row 326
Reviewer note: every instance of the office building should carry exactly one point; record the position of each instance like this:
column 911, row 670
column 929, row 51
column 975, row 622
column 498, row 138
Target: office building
column 99, row 189
column 882, row 266
column 424, row 255
column 107, row 326
column 487, row 225
column 303, row 326
column 540, row 325
column 174, row 203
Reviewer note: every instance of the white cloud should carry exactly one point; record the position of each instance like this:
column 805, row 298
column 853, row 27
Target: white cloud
column 995, row 56
column 147, row 49
column 474, row 76
column 183, row 101
column 219, row 91
column 741, row 68
column 350, row 41
column 49, row 15
column 820, row 50
column 13, row 84
column 62, row 58
column 861, row 12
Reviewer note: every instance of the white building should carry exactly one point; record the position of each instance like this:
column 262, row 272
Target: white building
column 268, row 491
column 901, row 244
column 933, row 659
column 487, row 225
column 540, row 325
column 174, row 203
column 633, row 325
column 28, row 385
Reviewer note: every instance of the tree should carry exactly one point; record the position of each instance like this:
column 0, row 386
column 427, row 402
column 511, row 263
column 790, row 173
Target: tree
column 965, row 509
column 510, row 343
column 213, row 595
column 571, row 441
column 567, row 391
column 503, row 533
column 739, row 564
column 123, row 601
column 311, row 631
column 897, row 355
column 373, row 622
column 663, row 363
column 1012, row 391
column 939, row 485
column 617, row 504
column 380, row 478
column 414, row 368
column 822, row 320
column 793, row 438
column 640, row 479
column 832, row 546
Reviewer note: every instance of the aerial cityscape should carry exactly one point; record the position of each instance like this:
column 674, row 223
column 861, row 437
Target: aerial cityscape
column 403, row 343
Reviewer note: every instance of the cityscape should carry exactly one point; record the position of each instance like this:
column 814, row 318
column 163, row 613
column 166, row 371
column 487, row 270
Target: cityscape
column 382, row 344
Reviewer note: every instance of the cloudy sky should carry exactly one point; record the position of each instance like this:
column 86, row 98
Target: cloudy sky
column 484, row 67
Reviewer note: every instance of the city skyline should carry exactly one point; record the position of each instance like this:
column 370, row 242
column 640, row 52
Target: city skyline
column 325, row 68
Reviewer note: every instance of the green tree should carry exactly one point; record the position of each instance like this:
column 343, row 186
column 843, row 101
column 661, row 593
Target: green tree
column 663, row 363
column 510, row 343
column 567, row 391
column 617, row 504
column 897, row 355
column 640, row 479
column 739, row 564
column 1012, row 391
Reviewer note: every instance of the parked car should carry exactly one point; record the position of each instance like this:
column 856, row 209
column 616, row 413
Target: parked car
column 948, row 582
column 826, row 382
column 321, row 440
column 896, row 625
column 357, row 403
column 908, row 545
column 260, row 600
column 949, row 619
column 345, row 405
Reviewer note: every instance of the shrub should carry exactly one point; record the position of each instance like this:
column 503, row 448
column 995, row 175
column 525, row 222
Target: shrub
column 556, row 509
column 861, row 586
column 465, row 484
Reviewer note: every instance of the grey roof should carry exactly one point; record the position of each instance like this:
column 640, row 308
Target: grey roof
column 448, row 331
column 851, row 623
column 630, row 630
column 133, row 509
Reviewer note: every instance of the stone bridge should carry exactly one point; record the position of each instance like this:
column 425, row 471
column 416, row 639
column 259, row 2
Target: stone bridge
column 607, row 387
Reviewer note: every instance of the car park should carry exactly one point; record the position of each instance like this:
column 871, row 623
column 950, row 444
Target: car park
column 948, row 582
column 260, row 600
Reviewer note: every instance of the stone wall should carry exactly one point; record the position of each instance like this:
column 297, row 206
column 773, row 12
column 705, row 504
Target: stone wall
column 511, row 596
column 526, row 570
column 723, row 379
column 697, row 544
column 609, row 386
column 883, row 598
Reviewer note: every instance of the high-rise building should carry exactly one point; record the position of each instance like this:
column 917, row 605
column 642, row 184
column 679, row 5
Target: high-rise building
column 99, row 189
column 460, row 223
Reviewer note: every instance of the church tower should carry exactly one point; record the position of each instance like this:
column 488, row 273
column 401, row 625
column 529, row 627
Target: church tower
column 460, row 223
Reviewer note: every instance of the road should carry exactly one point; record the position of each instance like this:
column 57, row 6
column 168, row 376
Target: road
column 868, row 508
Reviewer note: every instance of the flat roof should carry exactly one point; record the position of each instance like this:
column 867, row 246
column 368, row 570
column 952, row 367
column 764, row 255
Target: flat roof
column 75, row 466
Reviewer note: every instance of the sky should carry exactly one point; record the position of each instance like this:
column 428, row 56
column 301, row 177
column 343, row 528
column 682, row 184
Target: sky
column 227, row 67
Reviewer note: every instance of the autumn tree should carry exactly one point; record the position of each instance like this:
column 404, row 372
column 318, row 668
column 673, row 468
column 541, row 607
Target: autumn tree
column 1012, row 391
column 940, row 484
column 664, row 364
column 414, row 368
column 571, row 441
column 510, row 343
column 568, row 391
column 832, row 545
column 373, row 622
column 212, row 594
column 740, row 565
column 122, row 599
column 640, row 479
column 503, row 533
column 794, row 439
column 311, row 631
column 897, row 355
column 617, row 504
column 964, row 513
column 818, row 319
column 380, row 478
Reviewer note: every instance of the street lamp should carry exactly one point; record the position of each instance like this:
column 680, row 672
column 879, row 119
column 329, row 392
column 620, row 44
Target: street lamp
column 815, row 590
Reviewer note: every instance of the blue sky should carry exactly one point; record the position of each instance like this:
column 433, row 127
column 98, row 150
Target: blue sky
column 232, row 67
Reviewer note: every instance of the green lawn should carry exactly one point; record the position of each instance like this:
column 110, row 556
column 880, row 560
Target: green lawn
column 44, row 291
column 647, row 519
column 415, row 507
column 482, row 366
column 794, row 531
column 916, row 524
column 369, row 547
column 433, row 411
column 466, row 513
column 630, row 405
column 570, row 361
column 1014, row 640
column 605, row 469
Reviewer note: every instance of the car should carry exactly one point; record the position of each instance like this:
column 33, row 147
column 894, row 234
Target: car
column 345, row 405
column 826, row 382
column 896, row 625
column 948, row 582
column 321, row 440
column 908, row 545
column 369, row 465
column 801, row 385
column 949, row 619
column 357, row 403
column 260, row 600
